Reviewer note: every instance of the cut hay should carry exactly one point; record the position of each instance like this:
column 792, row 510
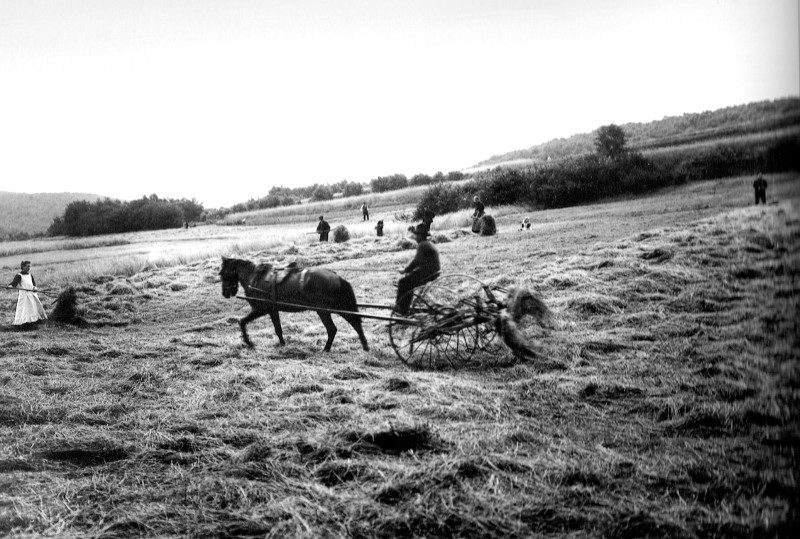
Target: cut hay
column 395, row 440
column 522, row 301
column 66, row 312
column 340, row 234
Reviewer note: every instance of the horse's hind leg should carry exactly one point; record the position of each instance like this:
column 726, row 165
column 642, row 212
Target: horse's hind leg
column 329, row 326
column 276, row 322
column 355, row 321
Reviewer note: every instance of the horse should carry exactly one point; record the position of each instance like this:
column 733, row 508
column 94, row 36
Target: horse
column 269, row 290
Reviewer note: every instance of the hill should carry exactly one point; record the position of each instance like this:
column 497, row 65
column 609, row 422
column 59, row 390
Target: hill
column 739, row 120
column 31, row 214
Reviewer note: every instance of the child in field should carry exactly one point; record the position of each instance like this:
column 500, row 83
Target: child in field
column 29, row 308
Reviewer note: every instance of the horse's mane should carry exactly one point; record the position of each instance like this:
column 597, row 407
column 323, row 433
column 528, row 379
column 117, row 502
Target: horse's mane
column 238, row 263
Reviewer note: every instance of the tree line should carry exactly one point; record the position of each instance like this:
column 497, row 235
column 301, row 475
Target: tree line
column 109, row 216
column 287, row 196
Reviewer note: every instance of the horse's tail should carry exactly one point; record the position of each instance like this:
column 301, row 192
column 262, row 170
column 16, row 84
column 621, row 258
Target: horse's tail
column 348, row 296
column 348, row 303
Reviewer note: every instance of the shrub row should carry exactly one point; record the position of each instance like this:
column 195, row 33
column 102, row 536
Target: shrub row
column 587, row 178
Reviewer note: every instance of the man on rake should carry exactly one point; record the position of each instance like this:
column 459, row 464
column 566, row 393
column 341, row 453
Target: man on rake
column 29, row 308
column 422, row 269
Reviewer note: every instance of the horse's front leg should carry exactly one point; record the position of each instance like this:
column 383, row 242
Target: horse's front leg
column 276, row 322
column 252, row 315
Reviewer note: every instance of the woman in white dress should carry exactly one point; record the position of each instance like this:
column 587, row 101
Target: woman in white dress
column 29, row 308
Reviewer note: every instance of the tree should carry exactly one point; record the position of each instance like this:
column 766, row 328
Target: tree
column 610, row 141
column 322, row 192
column 352, row 189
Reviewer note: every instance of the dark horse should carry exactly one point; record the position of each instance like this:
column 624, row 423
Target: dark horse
column 268, row 291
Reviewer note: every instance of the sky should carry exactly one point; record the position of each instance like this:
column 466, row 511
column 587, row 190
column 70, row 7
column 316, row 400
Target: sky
column 222, row 100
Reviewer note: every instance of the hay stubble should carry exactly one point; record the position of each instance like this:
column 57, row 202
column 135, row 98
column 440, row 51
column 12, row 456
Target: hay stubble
column 664, row 403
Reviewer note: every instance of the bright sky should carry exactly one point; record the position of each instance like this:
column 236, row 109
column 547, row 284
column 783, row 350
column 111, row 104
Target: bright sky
column 221, row 100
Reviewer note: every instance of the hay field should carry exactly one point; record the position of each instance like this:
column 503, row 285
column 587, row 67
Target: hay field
column 664, row 402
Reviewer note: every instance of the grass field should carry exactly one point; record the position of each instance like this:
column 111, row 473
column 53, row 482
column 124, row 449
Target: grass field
column 664, row 401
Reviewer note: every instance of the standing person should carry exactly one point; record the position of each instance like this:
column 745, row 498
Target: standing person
column 760, row 188
column 422, row 269
column 29, row 308
column 365, row 212
column 477, row 214
column 479, row 208
column 427, row 220
column 323, row 228
column 379, row 228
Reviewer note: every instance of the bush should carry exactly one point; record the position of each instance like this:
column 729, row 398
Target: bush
column 388, row 183
column 340, row 234
column 440, row 198
column 322, row 192
column 352, row 189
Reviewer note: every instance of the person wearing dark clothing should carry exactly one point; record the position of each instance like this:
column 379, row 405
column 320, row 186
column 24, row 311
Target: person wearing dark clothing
column 424, row 268
column 323, row 228
column 479, row 208
column 365, row 211
column 427, row 220
column 379, row 228
column 760, row 187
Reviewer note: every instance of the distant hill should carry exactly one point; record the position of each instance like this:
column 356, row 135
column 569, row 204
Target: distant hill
column 762, row 116
column 23, row 213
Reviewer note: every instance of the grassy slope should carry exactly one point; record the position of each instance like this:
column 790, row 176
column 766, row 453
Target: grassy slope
column 664, row 403
column 751, row 121
column 34, row 213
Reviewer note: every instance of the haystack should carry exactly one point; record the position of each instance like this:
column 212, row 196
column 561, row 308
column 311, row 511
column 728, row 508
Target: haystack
column 66, row 310
column 340, row 234
column 488, row 226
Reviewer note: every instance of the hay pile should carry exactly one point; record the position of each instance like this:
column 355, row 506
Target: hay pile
column 340, row 234
column 66, row 310
column 488, row 227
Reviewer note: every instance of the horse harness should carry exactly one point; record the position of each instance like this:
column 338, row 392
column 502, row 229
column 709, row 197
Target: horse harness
column 273, row 277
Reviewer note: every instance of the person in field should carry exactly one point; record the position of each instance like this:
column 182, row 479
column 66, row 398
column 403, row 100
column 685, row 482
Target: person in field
column 427, row 220
column 323, row 228
column 365, row 212
column 760, row 188
column 477, row 214
column 29, row 308
column 479, row 208
column 424, row 268
column 379, row 228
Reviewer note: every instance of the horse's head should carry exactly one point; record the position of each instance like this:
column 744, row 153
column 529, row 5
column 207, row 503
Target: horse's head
column 230, row 277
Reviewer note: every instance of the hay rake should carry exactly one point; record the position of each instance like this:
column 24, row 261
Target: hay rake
column 448, row 320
